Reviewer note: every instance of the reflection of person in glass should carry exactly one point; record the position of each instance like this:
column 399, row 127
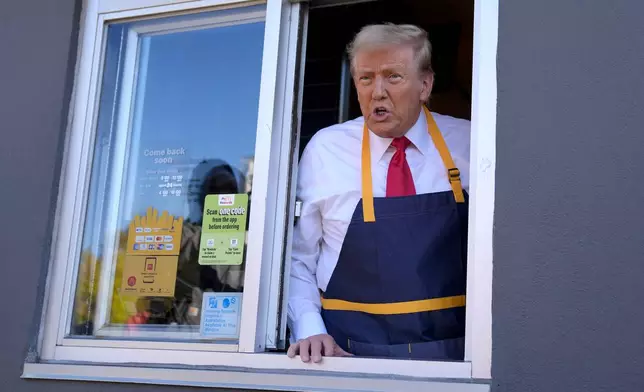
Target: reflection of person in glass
column 388, row 258
column 210, row 177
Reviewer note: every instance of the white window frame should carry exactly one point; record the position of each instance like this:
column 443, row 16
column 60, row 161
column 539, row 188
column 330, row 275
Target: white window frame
column 72, row 209
column 124, row 197
column 246, row 364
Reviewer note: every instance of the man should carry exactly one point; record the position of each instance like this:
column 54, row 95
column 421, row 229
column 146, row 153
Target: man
column 378, row 261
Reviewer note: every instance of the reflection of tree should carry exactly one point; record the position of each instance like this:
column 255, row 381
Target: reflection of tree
column 84, row 304
column 89, row 274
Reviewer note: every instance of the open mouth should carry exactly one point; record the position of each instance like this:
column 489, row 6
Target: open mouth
column 380, row 113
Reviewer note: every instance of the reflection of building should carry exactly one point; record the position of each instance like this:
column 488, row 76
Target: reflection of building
column 248, row 163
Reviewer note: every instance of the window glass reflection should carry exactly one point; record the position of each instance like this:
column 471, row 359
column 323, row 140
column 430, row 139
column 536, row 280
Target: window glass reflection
column 193, row 122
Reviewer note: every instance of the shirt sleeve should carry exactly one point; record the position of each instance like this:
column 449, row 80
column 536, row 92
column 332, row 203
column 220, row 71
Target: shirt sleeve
column 304, row 297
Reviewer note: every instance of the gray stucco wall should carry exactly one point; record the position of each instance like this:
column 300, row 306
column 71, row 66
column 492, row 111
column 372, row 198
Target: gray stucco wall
column 569, row 232
column 569, row 236
column 36, row 65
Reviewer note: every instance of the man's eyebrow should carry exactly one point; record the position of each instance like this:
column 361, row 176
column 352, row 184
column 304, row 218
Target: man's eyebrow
column 364, row 73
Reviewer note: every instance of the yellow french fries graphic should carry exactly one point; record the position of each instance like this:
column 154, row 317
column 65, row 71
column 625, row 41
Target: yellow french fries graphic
column 152, row 219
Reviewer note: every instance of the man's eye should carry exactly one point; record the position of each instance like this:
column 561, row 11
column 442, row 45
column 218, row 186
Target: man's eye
column 395, row 76
column 365, row 78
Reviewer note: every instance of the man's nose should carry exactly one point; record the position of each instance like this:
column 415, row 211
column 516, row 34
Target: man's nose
column 379, row 90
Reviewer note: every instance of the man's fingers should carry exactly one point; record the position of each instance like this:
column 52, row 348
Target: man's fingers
column 305, row 347
column 316, row 350
column 293, row 350
column 339, row 352
column 329, row 346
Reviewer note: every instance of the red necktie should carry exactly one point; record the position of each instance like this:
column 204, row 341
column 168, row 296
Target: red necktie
column 399, row 179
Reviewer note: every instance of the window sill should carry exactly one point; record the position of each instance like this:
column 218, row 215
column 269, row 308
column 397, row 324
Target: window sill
column 260, row 362
column 248, row 378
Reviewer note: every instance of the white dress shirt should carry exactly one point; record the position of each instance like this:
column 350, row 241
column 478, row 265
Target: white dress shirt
column 329, row 187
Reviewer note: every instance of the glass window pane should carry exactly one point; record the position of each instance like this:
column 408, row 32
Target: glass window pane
column 177, row 122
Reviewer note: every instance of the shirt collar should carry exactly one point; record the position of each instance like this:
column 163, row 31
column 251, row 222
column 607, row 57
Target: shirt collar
column 417, row 134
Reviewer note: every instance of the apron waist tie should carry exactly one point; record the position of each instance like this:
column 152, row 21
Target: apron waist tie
column 425, row 305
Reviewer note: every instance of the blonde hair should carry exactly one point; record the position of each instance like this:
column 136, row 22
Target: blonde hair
column 379, row 35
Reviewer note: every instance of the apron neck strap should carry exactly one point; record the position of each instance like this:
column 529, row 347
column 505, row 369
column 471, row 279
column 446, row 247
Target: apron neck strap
column 453, row 174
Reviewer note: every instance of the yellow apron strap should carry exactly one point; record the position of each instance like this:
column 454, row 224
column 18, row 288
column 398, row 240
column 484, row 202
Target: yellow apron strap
column 425, row 305
column 367, row 184
column 453, row 174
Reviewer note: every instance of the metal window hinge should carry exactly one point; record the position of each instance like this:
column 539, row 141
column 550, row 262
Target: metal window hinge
column 298, row 208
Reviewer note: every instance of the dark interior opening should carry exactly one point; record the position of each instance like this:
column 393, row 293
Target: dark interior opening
column 329, row 96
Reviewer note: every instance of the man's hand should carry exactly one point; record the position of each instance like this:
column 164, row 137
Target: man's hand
column 316, row 347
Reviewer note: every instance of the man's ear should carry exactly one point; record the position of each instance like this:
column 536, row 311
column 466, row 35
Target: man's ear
column 428, row 84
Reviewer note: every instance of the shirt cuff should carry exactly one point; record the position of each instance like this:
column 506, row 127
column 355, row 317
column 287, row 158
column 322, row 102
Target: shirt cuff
column 308, row 324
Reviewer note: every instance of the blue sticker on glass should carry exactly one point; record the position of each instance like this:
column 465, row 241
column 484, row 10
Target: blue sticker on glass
column 220, row 315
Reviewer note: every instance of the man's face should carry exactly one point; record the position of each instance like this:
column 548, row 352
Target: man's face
column 391, row 89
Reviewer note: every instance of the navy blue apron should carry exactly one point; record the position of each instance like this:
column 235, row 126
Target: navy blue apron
column 398, row 289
